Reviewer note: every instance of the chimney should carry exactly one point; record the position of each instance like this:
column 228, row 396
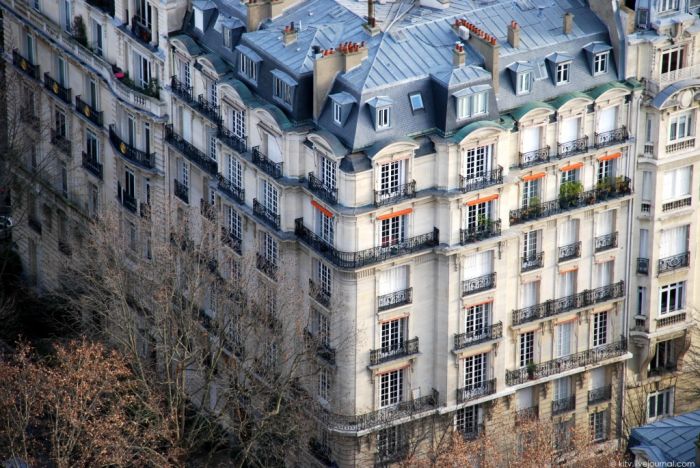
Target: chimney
column 354, row 53
column 568, row 23
column 328, row 63
column 487, row 46
column 371, row 25
column 258, row 11
column 458, row 55
column 514, row 34
column 289, row 34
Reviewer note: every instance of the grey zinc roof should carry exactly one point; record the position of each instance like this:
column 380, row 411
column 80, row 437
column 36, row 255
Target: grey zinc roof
column 670, row 439
column 343, row 98
column 597, row 47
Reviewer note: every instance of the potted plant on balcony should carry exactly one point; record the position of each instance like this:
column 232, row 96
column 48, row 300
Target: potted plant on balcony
column 531, row 368
column 621, row 185
column 482, row 224
column 569, row 193
column 533, row 208
column 604, row 187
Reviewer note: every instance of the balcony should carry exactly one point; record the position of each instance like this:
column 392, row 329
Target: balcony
column 142, row 32
column 25, row 65
column 670, row 320
column 367, row 256
column 234, row 192
column 680, row 145
column 230, row 240
column 612, row 137
column 232, row 140
column 527, row 414
column 127, row 200
column 182, row 91
column 143, row 159
column 270, row 168
column 398, row 351
column 182, row 191
column 322, row 190
column 621, row 188
column 88, row 111
column 532, row 262
column 64, row 248
column 572, row 148
column 91, row 164
column 59, row 140
column 599, row 395
column 395, row 299
column 208, row 109
column 674, row 205
column 665, row 368
column 268, row 216
column 34, row 224
column 643, row 266
column 319, row 293
column 674, row 262
column 472, row 392
column 481, row 181
column 208, row 210
column 480, row 335
column 554, row 307
column 665, row 79
column 606, row 242
column 56, row 88
column 569, row 252
column 395, row 194
column 563, row 405
column 323, row 349
column 532, row 158
column 563, row 364
column 478, row 284
column 266, row 265
column 482, row 230
column 382, row 416
column 190, row 151
column 148, row 88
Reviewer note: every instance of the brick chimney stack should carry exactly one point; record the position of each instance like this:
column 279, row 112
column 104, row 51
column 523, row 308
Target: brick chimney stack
column 568, row 23
column 458, row 55
column 514, row 34
column 289, row 34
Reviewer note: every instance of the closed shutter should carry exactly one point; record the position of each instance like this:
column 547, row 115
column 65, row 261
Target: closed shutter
column 531, row 139
column 393, row 280
column 568, row 232
column 605, row 222
column 607, row 120
column 569, row 130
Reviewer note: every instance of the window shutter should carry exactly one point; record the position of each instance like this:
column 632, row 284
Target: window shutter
column 646, row 186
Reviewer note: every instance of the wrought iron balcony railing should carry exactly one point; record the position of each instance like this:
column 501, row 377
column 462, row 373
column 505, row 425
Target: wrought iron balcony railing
column 478, row 284
column 571, row 148
column 674, row 262
column 92, row 165
column 395, row 454
column 190, row 151
column 270, row 168
column 478, row 390
column 665, row 368
column 554, row 307
column 403, row 349
column 670, row 320
column 234, row 192
column 143, row 159
column 599, row 395
column 612, row 137
column 208, row 210
column 25, row 65
column 606, row 242
column 482, row 230
column 368, row 256
column 553, row 207
column 319, row 293
column 232, row 140
column 88, row 111
column 266, row 265
column 324, row 191
column 479, row 335
column 323, row 349
column 527, row 414
column 568, row 252
column 182, row 191
column 127, row 200
column 381, row 416
column 481, row 180
column 564, row 405
column 643, row 266
column 141, row 32
column 271, row 218
column 208, row 109
column 181, row 90
column 56, row 88
column 60, row 141
column 565, row 363
column 231, row 240
column 532, row 158
column 394, row 194
column 532, row 262
column 395, row 299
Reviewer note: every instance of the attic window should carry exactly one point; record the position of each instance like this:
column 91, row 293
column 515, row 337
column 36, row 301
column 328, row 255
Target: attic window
column 283, row 87
column 248, row 62
column 383, row 117
column 472, row 104
column 198, row 19
column 524, row 83
column 668, row 5
column 416, row 101
column 563, row 73
column 600, row 63
column 227, row 34
column 337, row 113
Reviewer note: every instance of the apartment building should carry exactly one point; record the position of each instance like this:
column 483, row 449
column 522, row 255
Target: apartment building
column 456, row 185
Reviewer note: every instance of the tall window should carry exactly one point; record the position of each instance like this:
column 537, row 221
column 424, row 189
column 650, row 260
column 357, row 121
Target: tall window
column 282, row 91
column 142, row 70
column 527, row 348
column 663, row 356
column 248, row 68
column 326, row 227
column 677, row 183
column 61, row 71
column 562, row 389
column 30, row 49
column 563, row 73
column 531, row 192
column 322, row 327
column 564, row 333
column 392, row 175
column 211, row 144
column 641, row 300
column 238, row 122
column 477, row 161
column 270, row 248
column 92, row 146
column 324, row 383
column 681, row 126
column 467, row 419
column 393, row 230
column 389, row 441
column 383, row 117
column 234, row 171
column 337, row 113
column 390, row 388
column 234, row 222
column 674, row 242
column 129, row 183
column 531, row 244
column 60, row 123
column 600, row 329
column 324, row 277
column 477, row 216
column 671, row 297
column 96, row 36
column 392, row 335
column 64, row 178
column 270, row 197
column 598, row 425
column 524, row 83
column 600, row 63
column 475, row 370
column 476, row 318
column 328, row 172
column 605, row 170
column 660, row 404
column 672, row 59
column 392, row 280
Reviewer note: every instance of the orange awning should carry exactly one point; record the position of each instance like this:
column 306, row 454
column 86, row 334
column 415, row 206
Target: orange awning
column 328, row 213
column 609, row 157
column 539, row 175
column 479, row 201
column 571, row 167
column 395, row 214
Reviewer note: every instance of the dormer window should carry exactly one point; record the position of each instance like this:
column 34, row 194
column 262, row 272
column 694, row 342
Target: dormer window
column 342, row 106
column 198, row 19
column 668, row 5
column 380, row 107
column 600, row 63
column 337, row 113
column 383, row 114
column 248, row 62
column 524, row 83
column 416, row 100
column 563, row 73
column 472, row 102
column 283, row 87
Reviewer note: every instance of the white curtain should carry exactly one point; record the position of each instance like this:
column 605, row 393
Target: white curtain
column 478, row 264
column 605, row 223
column 393, row 280
column 274, row 153
column 567, row 284
column 530, row 293
column 186, row 125
column 564, row 334
column 607, row 120
column 568, row 232
column 604, row 273
column 531, row 139
column 524, row 397
column 646, row 186
column 597, row 377
column 644, row 243
column 562, row 388
column 677, row 183
column 569, row 129
column 673, row 242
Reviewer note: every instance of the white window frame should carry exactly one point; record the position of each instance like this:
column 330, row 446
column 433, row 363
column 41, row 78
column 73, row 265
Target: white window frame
column 660, row 404
column 270, row 248
column 391, row 388
column 476, row 370
column 681, row 126
column 600, row 328
column 524, row 83
column 472, row 105
column 600, row 63
column 672, row 56
column 563, row 73
column 248, row 68
column 672, row 298
column 526, row 348
column 598, row 424
column 668, row 5
column 383, row 117
column 337, row 113
column 238, row 122
column 234, row 222
column 270, row 197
